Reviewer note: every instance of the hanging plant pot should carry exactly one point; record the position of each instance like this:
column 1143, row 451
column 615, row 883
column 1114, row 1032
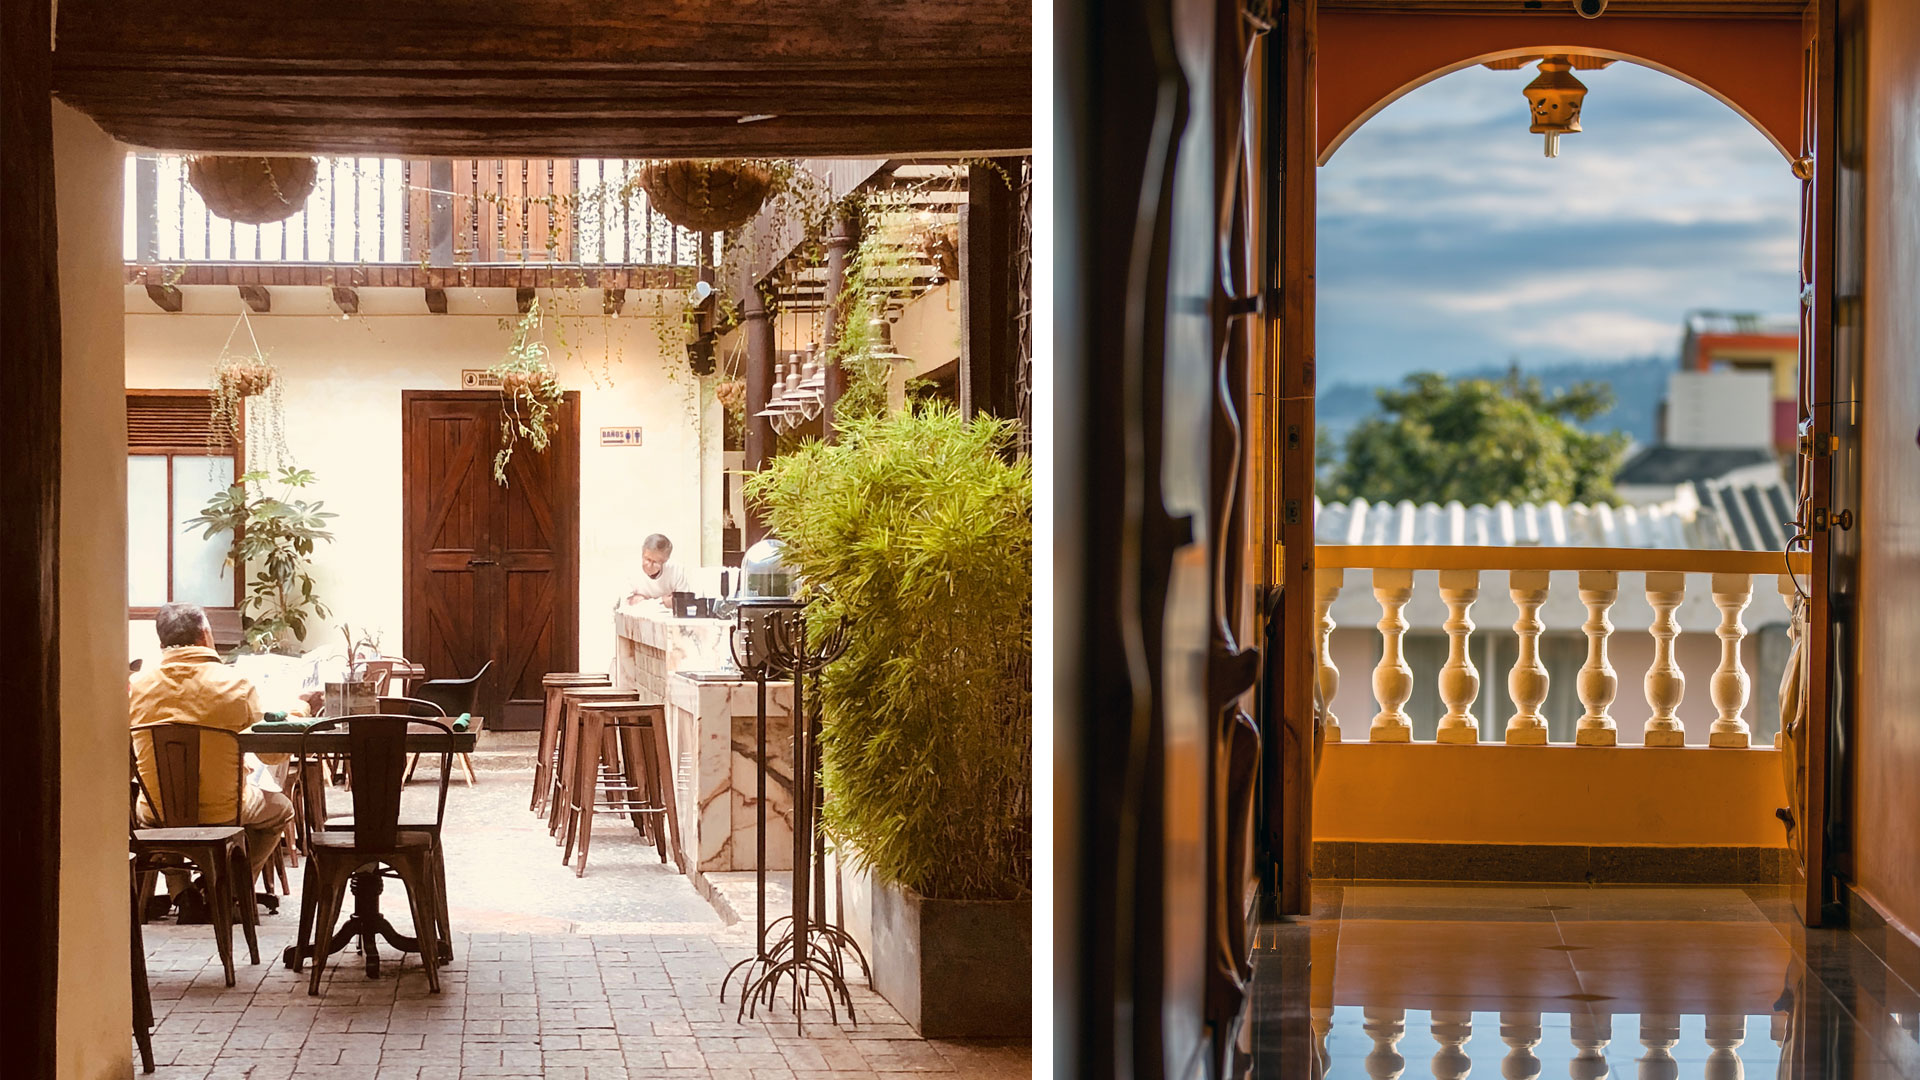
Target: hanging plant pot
column 246, row 377
column 731, row 394
column 253, row 190
column 524, row 384
column 707, row 196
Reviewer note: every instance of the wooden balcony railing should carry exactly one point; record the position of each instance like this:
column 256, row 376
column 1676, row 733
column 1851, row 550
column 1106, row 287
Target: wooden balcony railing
column 1662, row 573
column 422, row 213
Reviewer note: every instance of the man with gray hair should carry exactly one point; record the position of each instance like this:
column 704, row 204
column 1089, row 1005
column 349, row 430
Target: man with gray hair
column 659, row 579
column 191, row 685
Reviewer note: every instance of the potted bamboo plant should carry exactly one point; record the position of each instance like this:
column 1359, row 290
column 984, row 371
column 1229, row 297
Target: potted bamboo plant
column 916, row 528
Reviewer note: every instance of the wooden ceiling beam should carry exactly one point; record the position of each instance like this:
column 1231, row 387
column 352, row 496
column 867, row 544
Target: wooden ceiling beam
column 833, row 78
column 257, row 298
column 347, row 299
column 436, row 300
column 523, row 298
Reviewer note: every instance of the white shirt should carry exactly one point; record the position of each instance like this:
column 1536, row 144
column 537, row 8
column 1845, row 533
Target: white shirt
column 672, row 579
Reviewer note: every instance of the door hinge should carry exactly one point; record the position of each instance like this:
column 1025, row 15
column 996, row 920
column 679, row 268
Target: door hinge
column 1291, row 515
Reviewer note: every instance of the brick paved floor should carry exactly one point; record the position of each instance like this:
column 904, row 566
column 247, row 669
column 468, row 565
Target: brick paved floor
column 552, row 976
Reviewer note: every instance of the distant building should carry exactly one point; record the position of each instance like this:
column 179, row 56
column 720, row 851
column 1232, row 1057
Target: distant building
column 1728, row 419
column 1746, row 342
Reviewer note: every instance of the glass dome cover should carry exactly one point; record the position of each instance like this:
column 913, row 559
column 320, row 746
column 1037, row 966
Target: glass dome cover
column 764, row 576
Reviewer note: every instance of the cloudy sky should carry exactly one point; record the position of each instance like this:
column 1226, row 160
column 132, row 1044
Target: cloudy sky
column 1449, row 241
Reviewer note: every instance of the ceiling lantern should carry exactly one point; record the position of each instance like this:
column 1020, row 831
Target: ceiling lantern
column 1555, row 99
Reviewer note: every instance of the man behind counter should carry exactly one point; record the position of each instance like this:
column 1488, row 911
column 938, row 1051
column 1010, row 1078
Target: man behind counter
column 659, row 579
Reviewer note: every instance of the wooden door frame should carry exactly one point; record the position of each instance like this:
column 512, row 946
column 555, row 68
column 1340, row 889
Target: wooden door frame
column 1282, row 442
column 566, row 492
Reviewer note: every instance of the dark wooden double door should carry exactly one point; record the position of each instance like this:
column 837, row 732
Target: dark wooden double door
column 492, row 570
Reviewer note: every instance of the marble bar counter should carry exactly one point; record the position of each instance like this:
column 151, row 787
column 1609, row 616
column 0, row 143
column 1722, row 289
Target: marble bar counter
column 710, row 733
column 716, row 782
column 650, row 645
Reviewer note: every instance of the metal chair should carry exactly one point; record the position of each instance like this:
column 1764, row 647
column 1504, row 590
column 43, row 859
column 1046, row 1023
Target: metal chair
column 218, row 849
column 622, row 765
column 547, row 758
column 376, row 749
column 453, row 697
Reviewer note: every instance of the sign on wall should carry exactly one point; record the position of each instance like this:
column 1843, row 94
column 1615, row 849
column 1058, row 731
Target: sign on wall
column 619, row 436
column 478, row 379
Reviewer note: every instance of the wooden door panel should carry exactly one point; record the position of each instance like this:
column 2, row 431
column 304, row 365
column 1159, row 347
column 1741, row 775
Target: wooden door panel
column 491, row 571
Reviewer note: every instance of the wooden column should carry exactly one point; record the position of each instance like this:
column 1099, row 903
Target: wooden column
column 990, row 332
column 29, row 545
column 759, row 373
column 841, row 241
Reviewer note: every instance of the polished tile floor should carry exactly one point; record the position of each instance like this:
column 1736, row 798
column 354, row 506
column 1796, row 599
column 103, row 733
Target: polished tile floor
column 1583, row 982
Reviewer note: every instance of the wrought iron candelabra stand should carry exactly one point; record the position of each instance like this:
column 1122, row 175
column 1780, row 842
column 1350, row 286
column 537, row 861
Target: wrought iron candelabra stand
column 805, row 948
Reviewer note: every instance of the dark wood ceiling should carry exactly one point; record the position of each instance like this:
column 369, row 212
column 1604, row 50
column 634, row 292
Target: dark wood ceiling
column 507, row 78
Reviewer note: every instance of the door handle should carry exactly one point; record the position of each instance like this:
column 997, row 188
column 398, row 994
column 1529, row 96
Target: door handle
column 477, row 561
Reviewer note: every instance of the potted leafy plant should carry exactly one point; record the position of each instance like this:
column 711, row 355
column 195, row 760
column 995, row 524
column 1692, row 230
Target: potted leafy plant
column 916, row 528
column 530, row 391
column 275, row 537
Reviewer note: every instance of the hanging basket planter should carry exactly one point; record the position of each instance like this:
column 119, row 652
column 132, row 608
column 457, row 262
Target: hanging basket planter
column 524, row 384
column 707, row 196
column 246, row 377
column 253, row 190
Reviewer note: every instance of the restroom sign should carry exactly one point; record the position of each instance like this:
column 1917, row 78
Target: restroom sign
column 619, row 436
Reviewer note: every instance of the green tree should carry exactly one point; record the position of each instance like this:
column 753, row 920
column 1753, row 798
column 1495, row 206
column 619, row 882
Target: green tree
column 1480, row 441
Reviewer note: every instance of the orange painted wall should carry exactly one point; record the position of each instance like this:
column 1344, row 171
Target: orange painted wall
column 1887, row 791
column 1428, row 793
column 1366, row 61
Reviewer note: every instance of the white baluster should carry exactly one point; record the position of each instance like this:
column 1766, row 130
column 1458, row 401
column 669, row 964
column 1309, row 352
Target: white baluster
column 1665, row 685
column 1590, row 1035
column 1724, row 1036
column 1659, row 1033
column 1322, row 1021
column 1789, row 593
column 1392, row 678
column 1731, row 687
column 1452, row 1030
column 1597, row 683
column 1326, row 589
column 1459, row 679
column 1527, row 683
column 1521, row 1032
column 1385, row 1027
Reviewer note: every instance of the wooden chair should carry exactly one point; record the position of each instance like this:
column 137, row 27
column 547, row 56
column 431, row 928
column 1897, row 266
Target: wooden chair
column 562, row 788
column 377, row 751
column 547, row 758
column 623, row 766
column 142, row 993
column 218, row 849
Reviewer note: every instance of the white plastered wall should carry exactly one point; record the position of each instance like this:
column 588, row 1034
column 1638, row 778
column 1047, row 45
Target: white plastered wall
column 94, row 1028
column 342, row 383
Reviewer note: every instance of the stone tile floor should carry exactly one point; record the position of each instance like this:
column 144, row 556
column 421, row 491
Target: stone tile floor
column 614, row 976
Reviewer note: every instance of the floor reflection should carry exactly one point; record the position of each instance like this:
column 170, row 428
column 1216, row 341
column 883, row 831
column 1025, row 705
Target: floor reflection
column 1580, row 982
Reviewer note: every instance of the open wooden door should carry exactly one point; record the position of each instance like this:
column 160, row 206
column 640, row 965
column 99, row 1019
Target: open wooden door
column 492, row 571
column 1832, row 257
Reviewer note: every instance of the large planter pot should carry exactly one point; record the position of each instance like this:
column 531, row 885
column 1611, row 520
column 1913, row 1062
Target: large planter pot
column 954, row 968
column 253, row 190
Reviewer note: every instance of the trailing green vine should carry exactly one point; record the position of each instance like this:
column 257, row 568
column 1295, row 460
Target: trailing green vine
column 529, row 389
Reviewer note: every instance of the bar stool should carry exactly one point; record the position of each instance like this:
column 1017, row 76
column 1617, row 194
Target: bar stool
column 561, row 786
column 632, row 773
column 543, row 763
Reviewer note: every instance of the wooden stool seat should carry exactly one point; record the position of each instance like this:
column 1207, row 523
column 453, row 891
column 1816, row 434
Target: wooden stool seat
column 621, row 763
column 543, row 763
column 561, row 780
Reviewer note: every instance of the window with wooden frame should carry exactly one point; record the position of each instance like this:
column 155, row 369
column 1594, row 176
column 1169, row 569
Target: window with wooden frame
column 176, row 462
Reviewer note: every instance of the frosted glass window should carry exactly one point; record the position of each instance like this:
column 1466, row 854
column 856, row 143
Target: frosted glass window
column 200, row 575
column 147, row 530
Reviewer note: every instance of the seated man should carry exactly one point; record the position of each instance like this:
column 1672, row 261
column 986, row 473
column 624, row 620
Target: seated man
column 191, row 685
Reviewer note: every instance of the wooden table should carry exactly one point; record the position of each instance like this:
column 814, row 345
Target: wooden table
column 366, row 921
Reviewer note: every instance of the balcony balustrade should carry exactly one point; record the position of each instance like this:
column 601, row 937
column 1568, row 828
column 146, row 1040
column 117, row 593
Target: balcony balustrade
column 1730, row 577
column 418, row 222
